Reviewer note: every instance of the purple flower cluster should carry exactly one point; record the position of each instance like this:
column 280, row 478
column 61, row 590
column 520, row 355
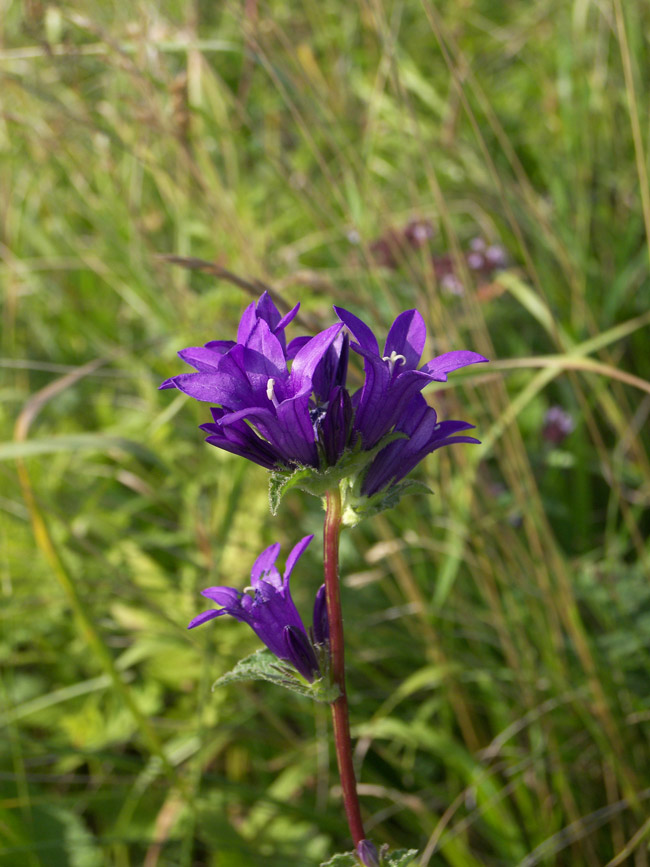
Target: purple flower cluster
column 285, row 406
column 265, row 408
column 270, row 611
column 558, row 424
column 393, row 248
column 481, row 258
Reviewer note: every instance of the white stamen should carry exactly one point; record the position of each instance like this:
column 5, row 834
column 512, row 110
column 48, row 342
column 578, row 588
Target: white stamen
column 270, row 392
column 393, row 359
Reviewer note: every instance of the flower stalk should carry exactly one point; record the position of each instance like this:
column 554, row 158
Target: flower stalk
column 340, row 715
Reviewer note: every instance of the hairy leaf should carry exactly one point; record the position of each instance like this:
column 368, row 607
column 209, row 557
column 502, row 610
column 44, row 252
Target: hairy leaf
column 263, row 665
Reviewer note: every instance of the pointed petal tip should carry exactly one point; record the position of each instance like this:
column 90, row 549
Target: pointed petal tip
column 295, row 554
column 204, row 617
column 362, row 332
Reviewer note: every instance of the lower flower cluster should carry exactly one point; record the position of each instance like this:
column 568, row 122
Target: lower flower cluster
column 271, row 613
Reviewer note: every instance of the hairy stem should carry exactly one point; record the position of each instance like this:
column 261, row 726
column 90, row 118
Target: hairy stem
column 342, row 740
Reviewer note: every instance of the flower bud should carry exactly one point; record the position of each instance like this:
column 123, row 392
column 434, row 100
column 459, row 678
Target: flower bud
column 368, row 855
column 321, row 623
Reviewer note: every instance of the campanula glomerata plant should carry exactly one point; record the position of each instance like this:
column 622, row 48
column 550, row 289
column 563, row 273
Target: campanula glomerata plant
column 287, row 407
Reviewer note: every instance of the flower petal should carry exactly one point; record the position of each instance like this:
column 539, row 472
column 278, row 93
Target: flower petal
column 226, row 596
column 286, row 319
column 264, row 567
column 332, row 369
column 296, row 345
column 266, row 344
column 246, row 323
column 228, row 387
column 210, row 614
column 362, row 333
column 298, row 437
column 266, row 310
column 407, row 337
column 308, row 357
column 334, row 427
column 220, row 346
column 245, row 450
column 321, row 625
column 371, row 404
column 204, row 360
column 439, row 367
column 450, row 441
column 425, row 434
column 295, row 554
column 269, row 615
column 367, row 852
column 300, row 653
column 240, row 439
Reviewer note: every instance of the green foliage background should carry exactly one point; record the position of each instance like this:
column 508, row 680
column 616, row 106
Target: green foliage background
column 498, row 631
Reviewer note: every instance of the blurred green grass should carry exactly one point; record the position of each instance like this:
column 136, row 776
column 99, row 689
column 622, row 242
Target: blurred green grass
column 498, row 631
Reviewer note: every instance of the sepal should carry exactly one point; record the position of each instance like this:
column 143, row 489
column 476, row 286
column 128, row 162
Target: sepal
column 264, row 665
column 356, row 506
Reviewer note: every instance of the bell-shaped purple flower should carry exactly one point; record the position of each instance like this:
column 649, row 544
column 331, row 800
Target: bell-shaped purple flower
column 425, row 434
column 267, row 406
column 270, row 611
column 392, row 377
column 206, row 358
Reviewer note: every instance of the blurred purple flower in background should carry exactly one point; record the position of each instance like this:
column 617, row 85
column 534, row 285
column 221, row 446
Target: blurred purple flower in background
column 418, row 233
column 558, row 424
column 270, row 610
column 486, row 258
column 392, row 249
column 445, row 271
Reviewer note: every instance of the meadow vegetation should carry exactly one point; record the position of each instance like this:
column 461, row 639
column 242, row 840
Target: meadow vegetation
column 499, row 630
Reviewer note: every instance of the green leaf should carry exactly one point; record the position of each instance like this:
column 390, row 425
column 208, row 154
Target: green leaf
column 264, row 665
column 345, row 859
column 281, row 482
column 400, row 858
column 63, row 837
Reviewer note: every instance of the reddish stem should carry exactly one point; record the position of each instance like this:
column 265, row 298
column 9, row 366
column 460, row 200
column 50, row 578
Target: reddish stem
column 342, row 740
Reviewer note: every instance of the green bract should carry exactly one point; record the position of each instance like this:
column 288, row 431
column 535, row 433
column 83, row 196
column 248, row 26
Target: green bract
column 399, row 858
column 263, row 665
column 347, row 475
